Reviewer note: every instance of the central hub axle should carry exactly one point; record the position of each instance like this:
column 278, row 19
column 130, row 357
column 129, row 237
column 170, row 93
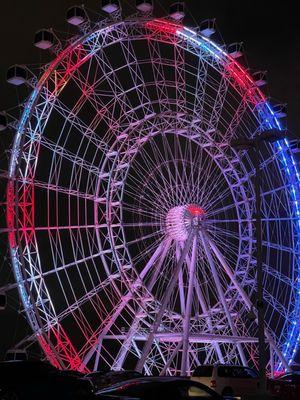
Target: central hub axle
column 181, row 219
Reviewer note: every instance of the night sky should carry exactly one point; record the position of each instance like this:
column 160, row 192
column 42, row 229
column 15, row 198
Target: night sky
column 269, row 31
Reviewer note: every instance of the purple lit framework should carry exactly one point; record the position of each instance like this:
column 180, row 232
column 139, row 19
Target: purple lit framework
column 131, row 218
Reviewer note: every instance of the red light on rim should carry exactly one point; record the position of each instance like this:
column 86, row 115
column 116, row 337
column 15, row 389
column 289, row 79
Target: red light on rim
column 163, row 26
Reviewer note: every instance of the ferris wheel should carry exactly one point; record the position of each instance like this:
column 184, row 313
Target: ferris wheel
column 130, row 215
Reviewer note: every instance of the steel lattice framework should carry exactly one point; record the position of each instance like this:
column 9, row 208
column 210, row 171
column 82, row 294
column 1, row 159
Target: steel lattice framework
column 131, row 218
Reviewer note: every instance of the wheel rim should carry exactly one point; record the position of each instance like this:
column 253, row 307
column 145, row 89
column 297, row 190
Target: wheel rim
column 178, row 121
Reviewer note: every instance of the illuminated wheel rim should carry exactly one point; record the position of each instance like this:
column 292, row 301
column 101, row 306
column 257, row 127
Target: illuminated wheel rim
column 131, row 217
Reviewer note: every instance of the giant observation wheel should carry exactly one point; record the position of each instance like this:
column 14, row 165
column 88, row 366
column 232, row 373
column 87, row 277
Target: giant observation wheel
column 130, row 216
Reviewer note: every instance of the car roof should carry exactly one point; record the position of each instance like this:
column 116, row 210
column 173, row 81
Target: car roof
column 123, row 372
column 96, row 373
column 154, row 379
column 222, row 365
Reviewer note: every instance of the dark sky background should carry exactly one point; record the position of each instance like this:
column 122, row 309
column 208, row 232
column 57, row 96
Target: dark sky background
column 269, row 30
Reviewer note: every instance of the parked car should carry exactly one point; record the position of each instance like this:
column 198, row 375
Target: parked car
column 158, row 388
column 227, row 380
column 102, row 379
column 40, row 380
column 286, row 387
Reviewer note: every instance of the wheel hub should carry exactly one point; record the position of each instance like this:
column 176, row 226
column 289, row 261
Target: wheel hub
column 181, row 219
